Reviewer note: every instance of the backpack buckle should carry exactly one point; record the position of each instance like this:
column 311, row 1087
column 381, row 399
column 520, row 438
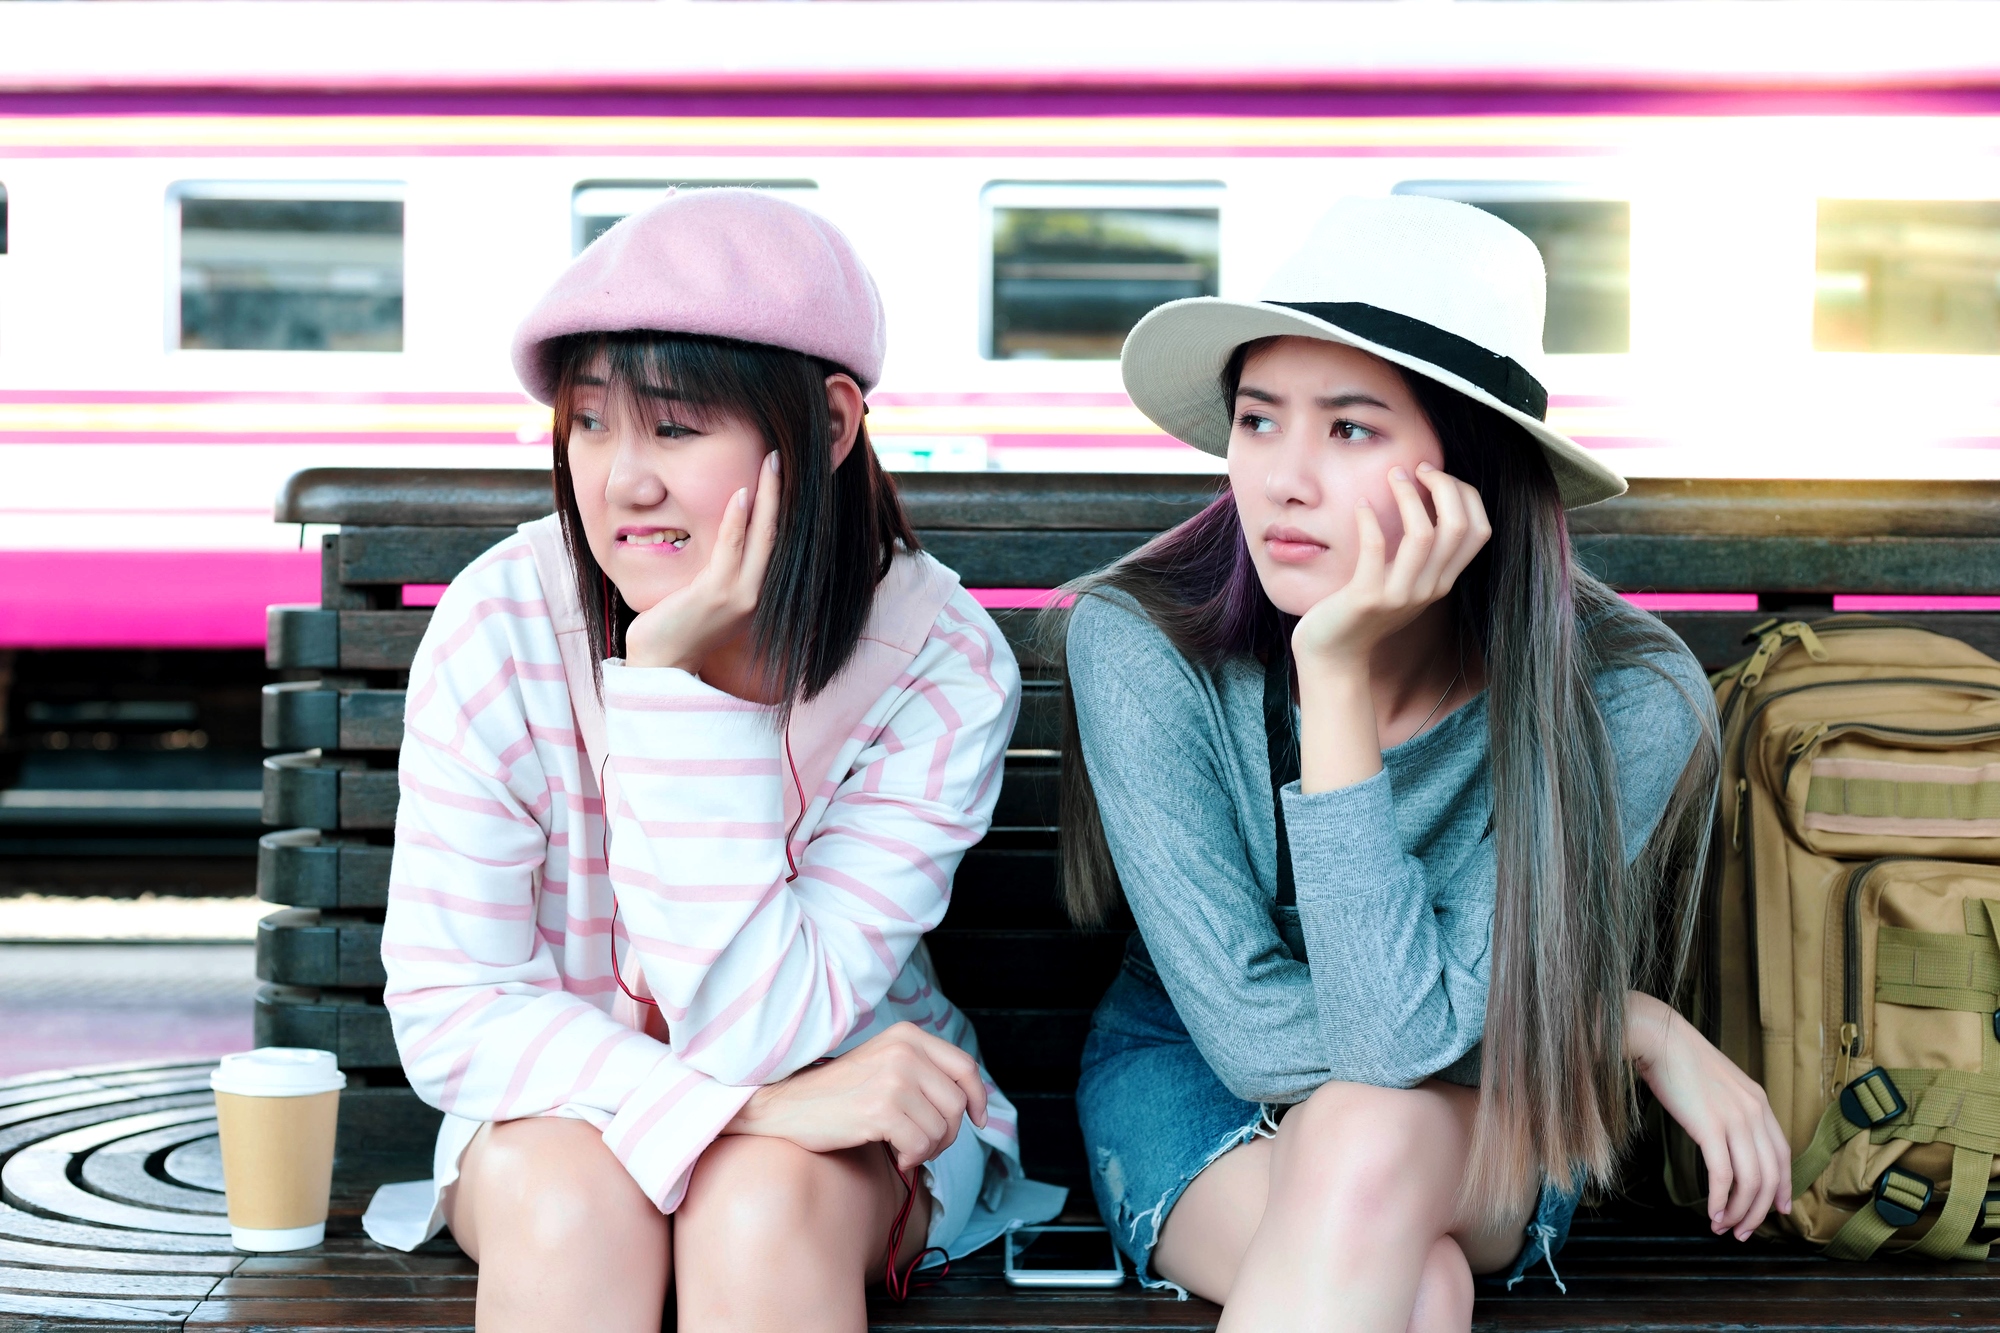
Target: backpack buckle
column 1901, row 1196
column 1871, row 1100
column 1987, row 1228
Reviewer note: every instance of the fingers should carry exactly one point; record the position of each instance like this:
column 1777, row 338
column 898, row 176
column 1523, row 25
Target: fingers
column 1420, row 537
column 762, row 535
column 1462, row 526
column 1749, row 1182
column 1715, row 1153
column 933, row 1086
column 911, row 1139
column 1749, row 1167
column 1777, row 1178
column 963, row 1071
column 954, row 1064
column 1777, row 1133
column 730, row 534
column 1369, row 546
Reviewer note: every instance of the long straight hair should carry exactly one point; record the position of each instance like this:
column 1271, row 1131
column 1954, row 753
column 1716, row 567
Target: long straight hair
column 839, row 529
column 1577, row 922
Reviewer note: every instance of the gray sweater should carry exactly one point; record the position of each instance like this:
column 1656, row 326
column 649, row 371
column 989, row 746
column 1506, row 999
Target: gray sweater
column 1395, row 875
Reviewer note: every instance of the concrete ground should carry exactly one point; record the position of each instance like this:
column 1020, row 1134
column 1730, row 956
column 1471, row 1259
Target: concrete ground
column 67, row 998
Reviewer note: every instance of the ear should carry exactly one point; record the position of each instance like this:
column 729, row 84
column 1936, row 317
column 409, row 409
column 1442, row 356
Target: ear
column 843, row 409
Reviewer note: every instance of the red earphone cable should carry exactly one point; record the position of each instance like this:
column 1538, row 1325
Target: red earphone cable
column 899, row 1283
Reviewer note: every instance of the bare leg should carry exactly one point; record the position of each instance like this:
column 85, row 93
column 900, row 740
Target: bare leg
column 562, row 1234
column 1202, row 1244
column 1444, row 1293
column 774, row 1237
column 1338, row 1221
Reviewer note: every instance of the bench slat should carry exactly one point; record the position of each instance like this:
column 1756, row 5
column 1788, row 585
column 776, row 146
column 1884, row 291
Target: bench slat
column 300, row 715
column 307, row 868
column 355, row 1028
column 299, row 947
column 322, row 791
column 310, row 638
column 1717, row 637
column 997, row 969
column 308, row 715
column 505, row 497
column 997, row 884
column 412, row 555
column 1044, row 559
column 1919, row 565
column 1031, row 1050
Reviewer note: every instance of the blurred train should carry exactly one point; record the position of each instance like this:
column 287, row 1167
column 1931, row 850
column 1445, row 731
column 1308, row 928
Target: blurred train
column 244, row 239
column 241, row 239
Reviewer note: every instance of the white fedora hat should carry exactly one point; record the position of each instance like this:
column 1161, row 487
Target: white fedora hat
column 1440, row 288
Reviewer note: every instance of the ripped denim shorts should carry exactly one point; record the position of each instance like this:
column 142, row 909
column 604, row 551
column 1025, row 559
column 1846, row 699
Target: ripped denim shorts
column 1155, row 1115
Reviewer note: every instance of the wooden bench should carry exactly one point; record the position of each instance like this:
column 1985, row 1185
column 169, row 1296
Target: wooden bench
column 79, row 1153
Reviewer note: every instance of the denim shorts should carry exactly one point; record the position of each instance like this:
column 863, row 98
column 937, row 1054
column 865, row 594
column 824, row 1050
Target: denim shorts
column 1155, row 1115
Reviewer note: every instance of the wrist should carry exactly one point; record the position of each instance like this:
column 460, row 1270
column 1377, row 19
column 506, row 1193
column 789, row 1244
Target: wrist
column 753, row 1113
column 1649, row 1028
column 1332, row 678
column 640, row 653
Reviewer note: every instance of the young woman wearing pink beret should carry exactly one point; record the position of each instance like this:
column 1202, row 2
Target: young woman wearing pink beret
column 688, row 768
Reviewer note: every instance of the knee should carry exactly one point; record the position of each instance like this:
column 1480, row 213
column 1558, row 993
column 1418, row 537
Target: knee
column 1365, row 1151
column 753, row 1196
column 553, row 1185
column 1445, row 1292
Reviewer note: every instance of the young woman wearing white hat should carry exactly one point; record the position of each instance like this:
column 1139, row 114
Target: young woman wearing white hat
column 1410, row 809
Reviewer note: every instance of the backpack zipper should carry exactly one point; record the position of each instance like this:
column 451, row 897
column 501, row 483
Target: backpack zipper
column 1741, row 841
column 1826, row 731
column 1850, row 952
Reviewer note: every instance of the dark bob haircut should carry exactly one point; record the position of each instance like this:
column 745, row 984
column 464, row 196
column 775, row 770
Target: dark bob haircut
column 838, row 528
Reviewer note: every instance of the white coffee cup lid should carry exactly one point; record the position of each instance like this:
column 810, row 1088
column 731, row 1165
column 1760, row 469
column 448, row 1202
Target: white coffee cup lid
column 278, row 1071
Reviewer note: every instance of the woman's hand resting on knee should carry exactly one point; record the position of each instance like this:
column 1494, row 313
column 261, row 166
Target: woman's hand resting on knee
column 903, row 1087
column 1722, row 1109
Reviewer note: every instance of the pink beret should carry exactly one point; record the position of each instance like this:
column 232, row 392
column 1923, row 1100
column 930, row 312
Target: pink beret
column 730, row 263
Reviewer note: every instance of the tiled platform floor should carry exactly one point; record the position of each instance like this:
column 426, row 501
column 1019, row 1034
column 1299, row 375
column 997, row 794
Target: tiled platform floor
column 64, row 1005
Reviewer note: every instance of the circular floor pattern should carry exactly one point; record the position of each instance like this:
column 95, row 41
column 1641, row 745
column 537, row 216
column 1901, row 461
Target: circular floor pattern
column 112, row 1215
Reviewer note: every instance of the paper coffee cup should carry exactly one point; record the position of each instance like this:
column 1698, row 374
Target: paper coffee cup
column 276, row 1108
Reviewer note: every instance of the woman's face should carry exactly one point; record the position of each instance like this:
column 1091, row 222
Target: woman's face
column 652, row 482
column 1317, row 428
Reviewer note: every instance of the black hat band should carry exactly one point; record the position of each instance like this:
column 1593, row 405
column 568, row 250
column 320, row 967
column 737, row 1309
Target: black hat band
column 1501, row 376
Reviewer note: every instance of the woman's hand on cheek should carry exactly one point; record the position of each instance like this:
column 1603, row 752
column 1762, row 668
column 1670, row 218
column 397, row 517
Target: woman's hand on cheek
column 903, row 1087
column 1722, row 1109
column 1384, row 595
column 682, row 629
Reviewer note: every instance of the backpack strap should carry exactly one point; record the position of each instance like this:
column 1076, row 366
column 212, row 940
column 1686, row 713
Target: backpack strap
column 1281, row 742
column 1919, row 1106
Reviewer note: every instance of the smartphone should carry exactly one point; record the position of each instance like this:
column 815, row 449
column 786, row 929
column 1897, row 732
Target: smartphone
column 1063, row 1257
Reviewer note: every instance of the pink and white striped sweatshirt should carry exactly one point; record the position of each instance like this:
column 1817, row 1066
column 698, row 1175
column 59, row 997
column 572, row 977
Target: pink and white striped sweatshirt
column 500, row 927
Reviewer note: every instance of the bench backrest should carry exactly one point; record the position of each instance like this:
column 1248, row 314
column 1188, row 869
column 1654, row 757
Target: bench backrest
column 1005, row 953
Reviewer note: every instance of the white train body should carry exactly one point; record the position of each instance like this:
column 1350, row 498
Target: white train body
column 137, row 473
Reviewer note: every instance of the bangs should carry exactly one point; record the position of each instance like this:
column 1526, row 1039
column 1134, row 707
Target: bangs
column 839, row 528
column 705, row 378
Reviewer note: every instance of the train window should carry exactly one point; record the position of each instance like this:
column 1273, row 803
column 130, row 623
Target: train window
column 1586, row 245
column 1073, row 267
column 595, row 206
column 1899, row 275
column 315, row 268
